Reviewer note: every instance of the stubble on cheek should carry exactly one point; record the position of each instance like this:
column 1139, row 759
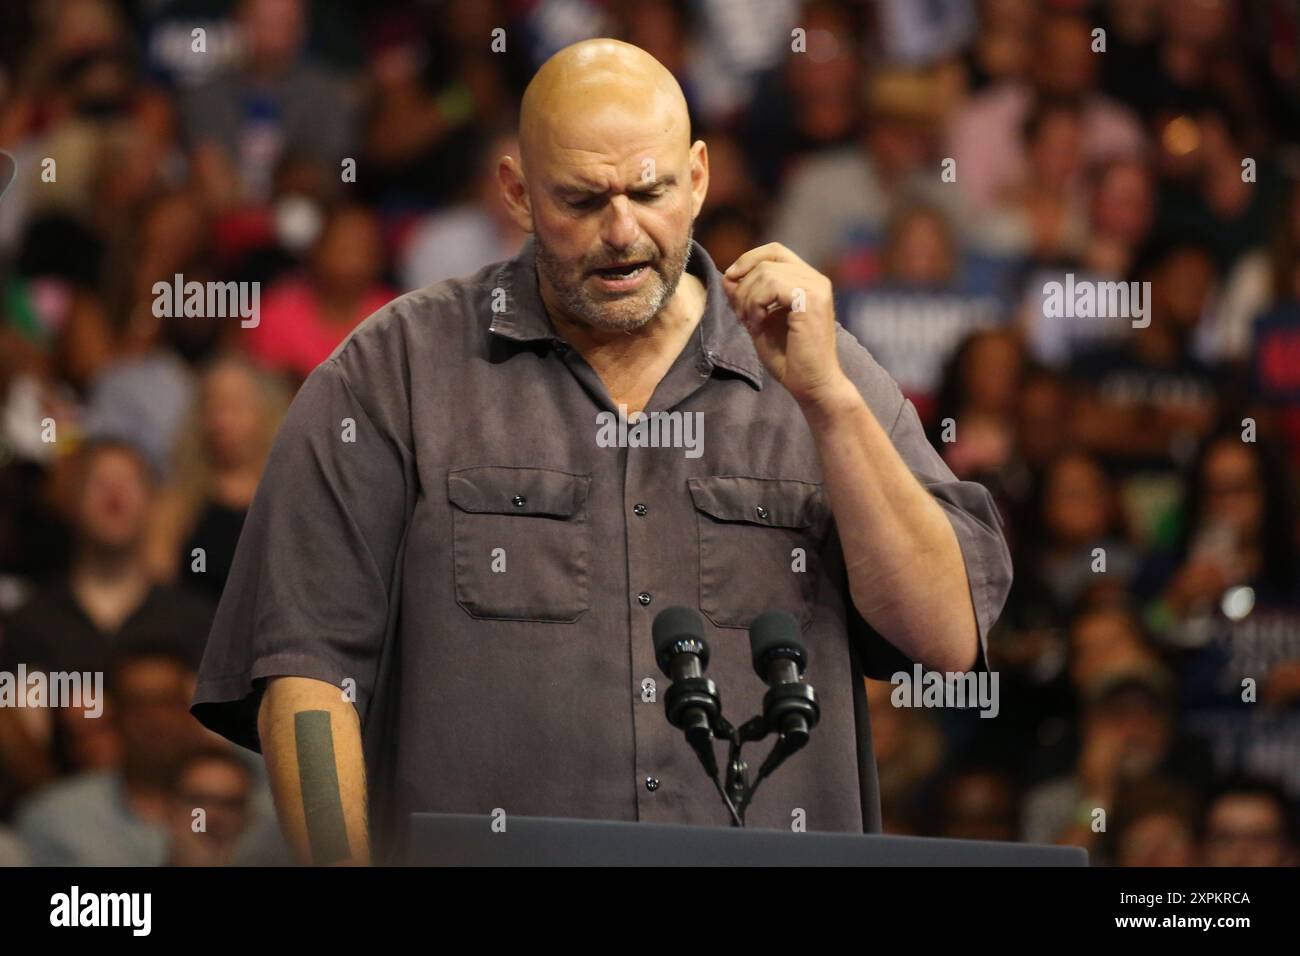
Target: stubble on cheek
column 584, row 303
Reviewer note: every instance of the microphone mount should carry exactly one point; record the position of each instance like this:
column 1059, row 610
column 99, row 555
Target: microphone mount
column 693, row 704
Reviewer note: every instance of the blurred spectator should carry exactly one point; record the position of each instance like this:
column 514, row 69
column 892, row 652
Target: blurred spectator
column 304, row 318
column 1247, row 823
column 1105, row 638
column 220, row 460
column 1003, row 45
column 1237, row 530
column 920, row 309
column 1128, row 732
column 118, row 817
column 836, row 203
column 461, row 239
column 142, row 393
column 1120, row 211
column 437, row 82
column 727, row 233
column 1041, row 410
column 1154, row 824
column 730, row 183
column 210, row 809
column 1212, row 191
column 983, row 136
column 909, row 747
column 107, row 601
column 1047, row 201
column 1148, row 399
column 242, row 120
column 977, row 804
column 810, row 101
column 1081, row 541
column 1260, row 324
column 973, row 420
column 1263, row 279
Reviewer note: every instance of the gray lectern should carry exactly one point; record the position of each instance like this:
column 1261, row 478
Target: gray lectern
column 453, row 839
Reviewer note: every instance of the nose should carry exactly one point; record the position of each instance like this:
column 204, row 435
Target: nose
column 619, row 230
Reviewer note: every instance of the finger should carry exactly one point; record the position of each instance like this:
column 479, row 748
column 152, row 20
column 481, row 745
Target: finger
column 767, row 289
column 771, row 252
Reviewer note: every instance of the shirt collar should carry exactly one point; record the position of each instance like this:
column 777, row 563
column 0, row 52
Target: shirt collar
column 719, row 336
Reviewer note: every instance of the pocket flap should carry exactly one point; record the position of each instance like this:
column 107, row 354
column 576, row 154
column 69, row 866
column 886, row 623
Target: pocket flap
column 517, row 491
column 775, row 502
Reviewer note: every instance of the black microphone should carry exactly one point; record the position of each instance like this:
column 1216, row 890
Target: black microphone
column 692, row 701
column 790, row 707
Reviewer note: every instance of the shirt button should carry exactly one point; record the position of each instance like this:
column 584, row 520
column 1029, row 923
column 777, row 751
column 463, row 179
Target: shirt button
column 761, row 512
column 520, row 501
column 644, row 598
column 639, row 510
column 652, row 784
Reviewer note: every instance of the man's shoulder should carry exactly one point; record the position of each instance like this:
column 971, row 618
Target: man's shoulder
column 877, row 386
column 432, row 332
column 438, row 314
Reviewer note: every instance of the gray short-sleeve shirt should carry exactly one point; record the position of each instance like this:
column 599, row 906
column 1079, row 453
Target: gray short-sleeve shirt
column 453, row 526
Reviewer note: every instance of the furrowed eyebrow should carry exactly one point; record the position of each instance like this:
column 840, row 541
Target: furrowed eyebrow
column 653, row 184
column 582, row 192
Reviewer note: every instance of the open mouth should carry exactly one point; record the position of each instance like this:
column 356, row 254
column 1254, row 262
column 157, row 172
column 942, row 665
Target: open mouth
column 626, row 270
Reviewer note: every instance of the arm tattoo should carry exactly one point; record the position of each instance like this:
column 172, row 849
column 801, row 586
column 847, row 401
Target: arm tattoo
column 322, row 802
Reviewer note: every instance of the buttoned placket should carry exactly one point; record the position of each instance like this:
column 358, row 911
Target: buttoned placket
column 659, row 793
column 646, row 475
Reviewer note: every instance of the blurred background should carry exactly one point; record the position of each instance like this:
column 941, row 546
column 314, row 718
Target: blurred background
column 1157, row 678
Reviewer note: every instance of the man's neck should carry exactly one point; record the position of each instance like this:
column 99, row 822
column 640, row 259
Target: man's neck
column 682, row 312
column 631, row 364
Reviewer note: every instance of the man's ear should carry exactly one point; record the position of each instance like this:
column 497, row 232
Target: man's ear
column 514, row 192
column 699, row 176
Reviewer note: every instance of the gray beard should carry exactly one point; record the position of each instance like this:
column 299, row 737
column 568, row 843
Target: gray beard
column 625, row 314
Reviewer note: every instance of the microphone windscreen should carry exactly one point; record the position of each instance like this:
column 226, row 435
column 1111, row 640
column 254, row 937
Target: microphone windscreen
column 673, row 624
column 775, row 634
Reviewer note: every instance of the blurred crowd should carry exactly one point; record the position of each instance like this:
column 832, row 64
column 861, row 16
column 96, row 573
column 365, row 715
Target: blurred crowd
column 945, row 163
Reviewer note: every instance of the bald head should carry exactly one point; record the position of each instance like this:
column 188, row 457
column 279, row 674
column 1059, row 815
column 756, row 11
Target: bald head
column 608, row 181
column 592, row 77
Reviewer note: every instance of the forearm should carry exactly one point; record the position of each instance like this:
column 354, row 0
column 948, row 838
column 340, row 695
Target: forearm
column 311, row 739
column 906, row 574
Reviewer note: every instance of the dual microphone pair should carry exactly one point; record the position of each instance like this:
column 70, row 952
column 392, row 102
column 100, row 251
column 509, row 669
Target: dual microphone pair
column 693, row 704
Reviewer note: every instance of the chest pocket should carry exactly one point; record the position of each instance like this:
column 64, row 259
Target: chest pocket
column 758, row 546
column 521, row 545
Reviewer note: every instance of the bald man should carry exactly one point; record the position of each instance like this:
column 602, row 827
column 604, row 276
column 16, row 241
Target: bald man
column 443, row 596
